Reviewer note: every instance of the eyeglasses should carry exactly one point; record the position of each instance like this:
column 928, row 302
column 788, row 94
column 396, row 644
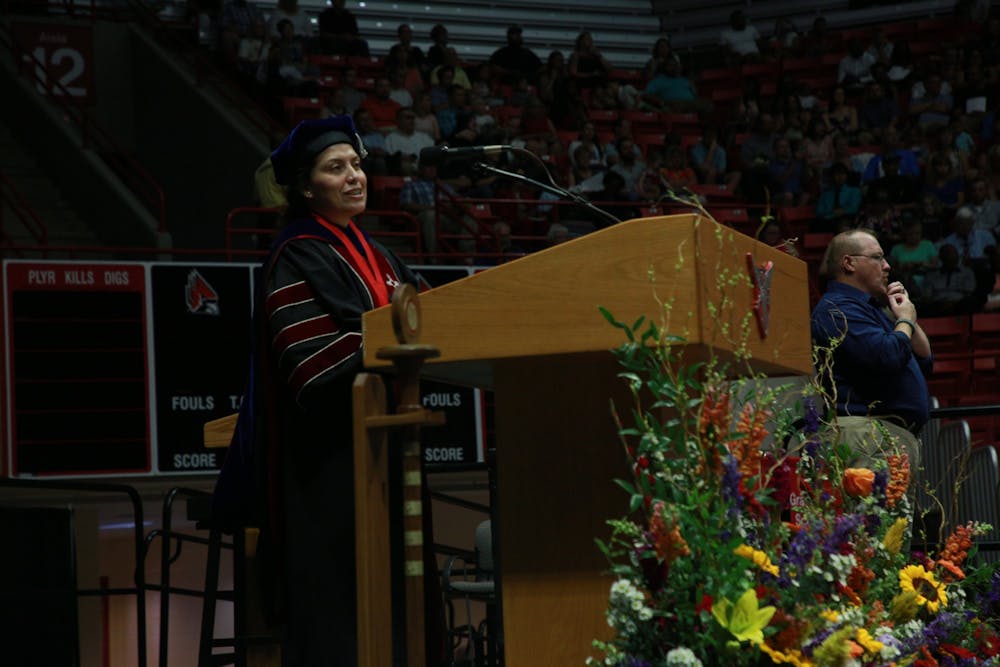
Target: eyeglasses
column 878, row 257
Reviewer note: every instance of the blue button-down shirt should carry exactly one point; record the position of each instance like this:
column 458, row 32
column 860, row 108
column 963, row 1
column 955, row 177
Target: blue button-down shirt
column 875, row 371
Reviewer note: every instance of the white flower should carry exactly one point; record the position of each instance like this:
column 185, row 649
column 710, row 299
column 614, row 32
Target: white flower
column 682, row 657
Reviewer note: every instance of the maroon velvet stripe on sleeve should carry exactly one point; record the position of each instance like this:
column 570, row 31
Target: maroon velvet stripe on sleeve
column 324, row 360
column 299, row 332
column 288, row 296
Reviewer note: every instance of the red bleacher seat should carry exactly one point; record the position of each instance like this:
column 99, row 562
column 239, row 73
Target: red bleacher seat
column 645, row 122
column 814, row 245
column 986, row 332
column 715, row 192
column 949, row 336
column 603, row 119
column 301, row 108
column 949, row 380
column 386, row 190
column 328, row 64
column 985, row 375
column 737, row 218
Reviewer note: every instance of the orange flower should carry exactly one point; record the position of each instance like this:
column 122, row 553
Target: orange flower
column 670, row 544
column 858, row 482
column 951, row 572
column 753, row 430
column 899, row 478
column 957, row 546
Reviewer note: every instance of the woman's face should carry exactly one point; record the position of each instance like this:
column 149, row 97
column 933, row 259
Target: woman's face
column 338, row 188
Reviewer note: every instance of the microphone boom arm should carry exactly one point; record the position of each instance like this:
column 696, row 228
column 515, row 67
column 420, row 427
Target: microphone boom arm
column 551, row 187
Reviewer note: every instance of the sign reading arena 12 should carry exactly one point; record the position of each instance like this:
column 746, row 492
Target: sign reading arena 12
column 57, row 57
column 113, row 369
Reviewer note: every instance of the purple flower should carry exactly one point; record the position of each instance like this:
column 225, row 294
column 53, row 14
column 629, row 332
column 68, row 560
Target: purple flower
column 841, row 534
column 632, row 661
column 811, row 416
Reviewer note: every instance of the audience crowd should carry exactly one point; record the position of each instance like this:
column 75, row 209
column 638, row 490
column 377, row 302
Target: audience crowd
column 816, row 131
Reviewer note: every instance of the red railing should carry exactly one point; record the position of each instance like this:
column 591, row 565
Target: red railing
column 92, row 135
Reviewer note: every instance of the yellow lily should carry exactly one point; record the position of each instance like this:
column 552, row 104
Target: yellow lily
column 745, row 620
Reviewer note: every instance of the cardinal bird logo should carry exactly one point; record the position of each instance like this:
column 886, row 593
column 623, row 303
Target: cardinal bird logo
column 201, row 297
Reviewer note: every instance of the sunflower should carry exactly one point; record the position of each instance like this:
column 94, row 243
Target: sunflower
column 929, row 592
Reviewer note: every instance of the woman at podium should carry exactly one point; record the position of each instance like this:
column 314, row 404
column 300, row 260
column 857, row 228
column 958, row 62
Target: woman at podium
column 289, row 469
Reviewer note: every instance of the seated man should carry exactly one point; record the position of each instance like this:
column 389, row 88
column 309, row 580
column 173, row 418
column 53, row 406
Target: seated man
column 417, row 197
column 873, row 356
column 949, row 289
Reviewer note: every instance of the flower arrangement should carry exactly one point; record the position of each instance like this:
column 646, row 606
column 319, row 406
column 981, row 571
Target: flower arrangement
column 752, row 541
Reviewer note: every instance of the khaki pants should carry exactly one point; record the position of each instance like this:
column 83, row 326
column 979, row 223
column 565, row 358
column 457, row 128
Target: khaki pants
column 866, row 437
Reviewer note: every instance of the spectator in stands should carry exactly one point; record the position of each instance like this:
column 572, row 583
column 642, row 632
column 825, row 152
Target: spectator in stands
column 558, row 233
column 880, row 217
column 974, row 246
column 740, row 40
column 439, row 45
column 613, row 198
column 426, row 119
column 786, row 41
column 587, row 66
column 252, row 53
column 661, row 52
column 817, row 148
column 418, row 197
column 334, row 103
column 289, row 73
column 881, row 47
column 900, row 71
column 913, row 256
column 404, row 143
column 515, row 60
column 676, row 172
column 375, row 163
column 400, row 80
column 651, row 187
column 289, row 10
column 381, row 105
column 536, row 124
column 630, row 166
column 854, row 69
column 949, row 289
column 236, row 22
column 440, row 91
column 876, row 370
column 787, row 174
column 841, row 115
column 851, row 158
column 931, row 101
column 985, row 211
column 931, row 216
column 878, row 113
column 404, row 53
column 338, row 31
column 756, row 153
column 902, row 190
column 551, row 76
column 944, row 182
column 818, row 40
column 621, row 129
column 349, row 86
column 710, row 160
column 671, row 91
column 773, row 235
column 588, row 138
column 838, row 204
column 891, row 143
column 452, row 63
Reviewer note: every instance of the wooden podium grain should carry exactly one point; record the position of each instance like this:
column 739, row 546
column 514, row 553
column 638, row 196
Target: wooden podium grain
column 531, row 331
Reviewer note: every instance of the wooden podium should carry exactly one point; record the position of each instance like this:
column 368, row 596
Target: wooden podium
column 531, row 331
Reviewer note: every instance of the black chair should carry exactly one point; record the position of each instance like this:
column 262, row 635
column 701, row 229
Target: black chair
column 467, row 579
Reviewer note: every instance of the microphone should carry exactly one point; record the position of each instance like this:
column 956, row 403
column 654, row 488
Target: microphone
column 434, row 155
